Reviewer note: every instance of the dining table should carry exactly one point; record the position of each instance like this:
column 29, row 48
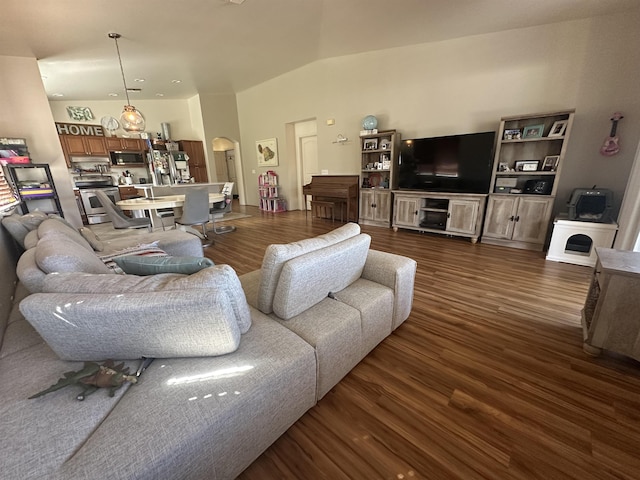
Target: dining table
column 153, row 204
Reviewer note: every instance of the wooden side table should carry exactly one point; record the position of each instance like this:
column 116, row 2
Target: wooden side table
column 610, row 318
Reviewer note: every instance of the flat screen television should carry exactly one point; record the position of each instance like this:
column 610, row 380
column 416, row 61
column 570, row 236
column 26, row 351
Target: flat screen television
column 455, row 163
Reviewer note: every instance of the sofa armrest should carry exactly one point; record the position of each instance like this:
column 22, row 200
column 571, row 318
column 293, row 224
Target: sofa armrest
column 175, row 242
column 396, row 272
column 81, row 326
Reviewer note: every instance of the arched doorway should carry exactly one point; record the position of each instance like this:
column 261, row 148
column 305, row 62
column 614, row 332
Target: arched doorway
column 226, row 165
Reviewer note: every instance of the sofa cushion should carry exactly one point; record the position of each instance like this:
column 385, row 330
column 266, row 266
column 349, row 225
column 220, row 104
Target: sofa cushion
column 20, row 225
column 276, row 255
column 31, row 239
column 175, row 242
column 142, row 265
column 334, row 330
column 164, row 324
column 216, row 278
column 59, row 254
column 54, row 228
column 91, row 237
column 29, row 272
column 308, row 279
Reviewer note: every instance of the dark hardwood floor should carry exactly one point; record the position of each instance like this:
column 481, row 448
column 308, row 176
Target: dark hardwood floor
column 486, row 379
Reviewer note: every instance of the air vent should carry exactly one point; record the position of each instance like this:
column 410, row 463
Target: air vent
column 134, row 90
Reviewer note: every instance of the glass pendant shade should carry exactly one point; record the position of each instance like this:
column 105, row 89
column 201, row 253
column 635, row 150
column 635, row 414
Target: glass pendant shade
column 131, row 119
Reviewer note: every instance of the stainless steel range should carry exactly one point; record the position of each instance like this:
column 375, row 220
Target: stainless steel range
column 88, row 185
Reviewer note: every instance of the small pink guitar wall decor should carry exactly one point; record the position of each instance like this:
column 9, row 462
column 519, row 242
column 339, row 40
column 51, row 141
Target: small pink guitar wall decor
column 610, row 146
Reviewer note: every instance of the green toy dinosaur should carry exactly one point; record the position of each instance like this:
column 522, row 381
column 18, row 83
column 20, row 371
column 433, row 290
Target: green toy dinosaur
column 94, row 376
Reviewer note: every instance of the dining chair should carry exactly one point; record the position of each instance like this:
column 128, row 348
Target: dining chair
column 118, row 219
column 195, row 210
column 218, row 209
column 163, row 213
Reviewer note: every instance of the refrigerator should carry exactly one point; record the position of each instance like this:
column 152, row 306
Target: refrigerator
column 169, row 167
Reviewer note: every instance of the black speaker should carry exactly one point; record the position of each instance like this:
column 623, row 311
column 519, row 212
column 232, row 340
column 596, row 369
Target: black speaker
column 539, row 187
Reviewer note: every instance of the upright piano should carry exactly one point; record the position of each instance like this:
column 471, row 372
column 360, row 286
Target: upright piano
column 335, row 187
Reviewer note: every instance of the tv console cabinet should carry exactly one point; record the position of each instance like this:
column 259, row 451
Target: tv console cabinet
column 456, row 214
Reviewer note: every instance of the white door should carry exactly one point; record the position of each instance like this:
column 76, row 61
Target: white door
column 309, row 158
column 307, row 155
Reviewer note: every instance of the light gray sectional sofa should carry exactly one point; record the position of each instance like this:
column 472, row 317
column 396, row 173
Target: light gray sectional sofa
column 291, row 331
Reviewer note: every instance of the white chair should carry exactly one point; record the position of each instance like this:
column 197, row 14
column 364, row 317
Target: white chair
column 218, row 209
column 195, row 210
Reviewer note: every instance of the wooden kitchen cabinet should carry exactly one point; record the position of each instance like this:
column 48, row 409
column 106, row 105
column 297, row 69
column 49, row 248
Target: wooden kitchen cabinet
column 197, row 162
column 117, row 144
column 83, row 146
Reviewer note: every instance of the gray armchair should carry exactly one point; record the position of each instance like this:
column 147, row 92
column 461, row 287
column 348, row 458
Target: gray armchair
column 118, row 219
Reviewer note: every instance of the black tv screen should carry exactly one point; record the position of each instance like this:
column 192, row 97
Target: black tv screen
column 455, row 163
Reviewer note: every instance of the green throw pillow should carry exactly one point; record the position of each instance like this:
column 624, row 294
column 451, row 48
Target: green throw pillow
column 137, row 265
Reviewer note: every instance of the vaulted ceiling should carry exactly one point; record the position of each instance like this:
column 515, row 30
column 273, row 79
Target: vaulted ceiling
column 184, row 47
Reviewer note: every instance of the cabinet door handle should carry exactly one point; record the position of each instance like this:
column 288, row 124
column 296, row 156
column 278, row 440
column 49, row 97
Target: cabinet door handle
column 517, row 218
column 448, row 214
column 415, row 213
column 511, row 218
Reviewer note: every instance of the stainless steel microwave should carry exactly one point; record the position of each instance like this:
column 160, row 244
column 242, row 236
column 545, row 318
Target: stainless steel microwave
column 127, row 158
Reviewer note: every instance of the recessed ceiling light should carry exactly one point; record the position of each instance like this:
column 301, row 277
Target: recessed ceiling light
column 113, row 94
column 138, row 79
column 57, row 95
column 176, row 81
column 159, row 94
column 237, row 2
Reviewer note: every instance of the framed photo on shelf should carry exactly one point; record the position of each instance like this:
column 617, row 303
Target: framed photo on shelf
column 370, row 144
column 558, row 128
column 512, row 134
column 527, row 166
column 550, row 163
column 533, row 131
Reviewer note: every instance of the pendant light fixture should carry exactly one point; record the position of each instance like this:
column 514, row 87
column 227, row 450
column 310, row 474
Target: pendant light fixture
column 130, row 119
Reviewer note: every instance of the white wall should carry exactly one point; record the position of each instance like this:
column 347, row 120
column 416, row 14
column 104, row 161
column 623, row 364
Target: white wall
column 174, row 112
column 220, row 120
column 459, row 86
column 26, row 114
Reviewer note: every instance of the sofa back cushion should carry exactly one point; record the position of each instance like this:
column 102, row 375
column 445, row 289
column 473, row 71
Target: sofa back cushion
column 55, row 228
column 309, row 278
column 20, row 225
column 166, row 324
column 277, row 255
column 212, row 279
column 58, row 254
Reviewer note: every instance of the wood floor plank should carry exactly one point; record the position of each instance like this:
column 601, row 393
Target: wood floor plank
column 486, row 379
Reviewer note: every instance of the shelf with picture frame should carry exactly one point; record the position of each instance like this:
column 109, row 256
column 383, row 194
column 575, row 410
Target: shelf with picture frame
column 378, row 176
column 528, row 163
